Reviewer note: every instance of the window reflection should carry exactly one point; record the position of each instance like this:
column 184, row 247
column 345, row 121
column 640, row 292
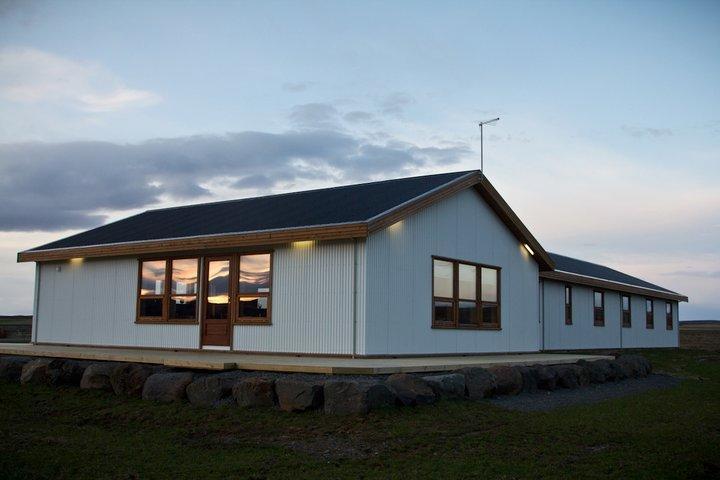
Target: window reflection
column 443, row 278
column 254, row 274
column 489, row 285
column 467, row 277
column 218, row 294
column 184, row 307
column 184, row 276
column 153, row 277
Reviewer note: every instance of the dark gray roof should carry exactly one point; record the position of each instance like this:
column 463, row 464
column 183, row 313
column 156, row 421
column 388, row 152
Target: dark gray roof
column 353, row 203
column 581, row 267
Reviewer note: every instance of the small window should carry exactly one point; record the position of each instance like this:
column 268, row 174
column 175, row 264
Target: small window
column 599, row 309
column 626, row 316
column 465, row 295
column 568, row 305
column 254, row 282
column 649, row 314
column 668, row 316
column 151, row 296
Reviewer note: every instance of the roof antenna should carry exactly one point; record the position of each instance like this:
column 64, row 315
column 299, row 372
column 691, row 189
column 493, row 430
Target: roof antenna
column 484, row 122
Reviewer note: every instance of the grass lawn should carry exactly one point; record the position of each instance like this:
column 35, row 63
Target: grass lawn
column 69, row 433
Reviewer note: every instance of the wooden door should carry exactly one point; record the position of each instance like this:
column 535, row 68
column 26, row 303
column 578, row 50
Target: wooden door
column 216, row 324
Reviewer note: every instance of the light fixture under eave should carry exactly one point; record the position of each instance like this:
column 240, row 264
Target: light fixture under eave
column 303, row 244
column 527, row 247
column 76, row 261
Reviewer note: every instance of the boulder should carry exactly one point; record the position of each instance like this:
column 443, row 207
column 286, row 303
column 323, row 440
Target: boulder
column 546, row 377
column 72, row 371
column 97, row 376
column 617, row 372
column 410, row 389
column 598, row 371
column 46, row 371
column 129, row 378
column 297, row 393
column 479, row 382
column 348, row 397
column 509, row 380
column 255, row 392
column 166, row 387
column 450, row 385
column 571, row 376
column 634, row 365
column 529, row 379
column 211, row 390
column 11, row 367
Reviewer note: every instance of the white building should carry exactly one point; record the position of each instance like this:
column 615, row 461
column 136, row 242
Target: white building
column 428, row 265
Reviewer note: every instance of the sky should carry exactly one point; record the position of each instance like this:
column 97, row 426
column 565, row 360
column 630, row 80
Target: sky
column 608, row 147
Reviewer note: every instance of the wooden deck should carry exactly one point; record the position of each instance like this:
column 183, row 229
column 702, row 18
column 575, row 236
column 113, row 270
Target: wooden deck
column 219, row 360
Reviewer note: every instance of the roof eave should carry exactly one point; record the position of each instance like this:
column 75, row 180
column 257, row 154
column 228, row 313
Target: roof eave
column 578, row 279
column 201, row 243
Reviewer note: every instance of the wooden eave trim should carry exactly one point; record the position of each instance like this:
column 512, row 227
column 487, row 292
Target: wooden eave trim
column 610, row 285
column 509, row 218
column 420, row 202
column 269, row 237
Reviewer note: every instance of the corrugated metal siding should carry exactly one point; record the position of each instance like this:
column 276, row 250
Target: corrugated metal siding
column 312, row 309
column 399, row 281
column 583, row 334
column 93, row 302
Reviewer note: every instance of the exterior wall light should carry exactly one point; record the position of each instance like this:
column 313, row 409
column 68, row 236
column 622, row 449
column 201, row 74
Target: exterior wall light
column 527, row 247
column 303, row 244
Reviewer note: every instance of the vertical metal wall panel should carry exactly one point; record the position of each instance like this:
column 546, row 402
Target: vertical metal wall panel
column 582, row 334
column 398, row 313
column 93, row 303
column 312, row 302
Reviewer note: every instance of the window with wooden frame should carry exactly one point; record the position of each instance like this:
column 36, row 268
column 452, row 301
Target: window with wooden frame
column 599, row 308
column 466, row 295
column 626, row 315
column 254, row 274
column 568, row 305
column 668, row 316
column 649, row 313
column 167, row 290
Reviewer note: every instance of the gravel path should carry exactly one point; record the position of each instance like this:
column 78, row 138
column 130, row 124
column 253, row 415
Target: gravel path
column 543, row 401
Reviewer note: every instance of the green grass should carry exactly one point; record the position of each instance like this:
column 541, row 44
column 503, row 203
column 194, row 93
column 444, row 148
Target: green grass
column 69, row 433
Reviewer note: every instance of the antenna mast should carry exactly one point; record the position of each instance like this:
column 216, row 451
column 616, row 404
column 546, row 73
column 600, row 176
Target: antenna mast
column 484, row 122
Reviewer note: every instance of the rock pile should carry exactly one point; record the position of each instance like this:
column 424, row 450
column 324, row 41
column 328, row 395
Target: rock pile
column 338, row 395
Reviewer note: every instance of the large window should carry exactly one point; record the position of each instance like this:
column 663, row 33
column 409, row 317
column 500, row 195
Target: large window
column 568, row 305
column 599, row 308
column 465, row 295
column 167, row 291
column 626, row 315
column 253, row 293
column 649, row 313
column 668, row 316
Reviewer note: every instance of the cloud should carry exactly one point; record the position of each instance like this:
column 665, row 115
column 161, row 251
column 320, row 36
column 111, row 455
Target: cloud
column 28, row 75
column 296, row 87
column 59, row 186
column 640, row 132
column 315, row 116
column 359, row 116
column 694, row 273
column 396, row 103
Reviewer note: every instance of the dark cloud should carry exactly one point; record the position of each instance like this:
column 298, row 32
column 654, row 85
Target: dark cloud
column 639, row 132
column 315, row 116
column 59, row 186
column 358, row 116
column 295, row 87
column 395, row 104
